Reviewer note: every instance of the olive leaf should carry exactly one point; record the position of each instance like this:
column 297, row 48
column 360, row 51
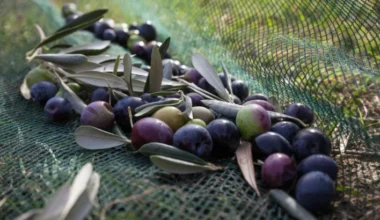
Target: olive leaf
column 77, row 188
column 119, row 95
column 154, row 79
column 101, row 59
column 99, row 79
column 83, row 67
column 150, row 108
column 63, row 59
column 245, row 161
column 77, row 103
column 176, row 166
column 56, row 204
column 117, row 62
column 163, row 93
column 30, row 215
column 204, row 67
column 164, row 47
column 94, row 48
column 60, row 46
column 85, row 201
column 24, row 89
column 138, row 65
column 273, row 100
column 290, row 205
column 160, row 149
column 93, row 138
column 39, row 50
column 128, row 73
column 81, row 22
column 229, row 110
column 168, row 71
column 276, row 117
column 189, row 106
column 228, row 79
column 200, row 91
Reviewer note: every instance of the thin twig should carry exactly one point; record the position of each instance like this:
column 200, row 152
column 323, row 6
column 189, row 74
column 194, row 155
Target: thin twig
column 360, row 153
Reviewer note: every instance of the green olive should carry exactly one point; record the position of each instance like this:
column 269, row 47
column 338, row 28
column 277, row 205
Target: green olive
column 38, row 74
column 197, row 121
column 172, row 116
column 203, row 113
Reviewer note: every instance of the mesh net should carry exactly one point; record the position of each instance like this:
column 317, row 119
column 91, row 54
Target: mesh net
column 322, row 53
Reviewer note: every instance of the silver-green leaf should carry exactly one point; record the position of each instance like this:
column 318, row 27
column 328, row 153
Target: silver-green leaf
column 152, row 107
column 24, row 89
column 228, row 79
column 101, row 58
column 290, row 205
column 82, row 21
column 168, row 71
column 155, row 76
column 93, row 138
column 100, row 79
column 179, row 166
column 245, row 161
column 161, row 149
column 188, row 113
column 94, row 48
column 77, row 68
column 56, row 204
column 63, row 59
column 229, row 110
column 164, row 47
column 205, row 69
column 127, row 61
column 77, row 103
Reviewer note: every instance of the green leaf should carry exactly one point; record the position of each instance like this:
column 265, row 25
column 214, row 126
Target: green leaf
column 60, row 46
column 101, row 59
column 30, row 215
column 179, row 166
column 77, row 103
column 83, row 67
column 56, row 204
column 189, row 106
column 138, row 65
column 205, row 69
column 63, row 59
column 347, row 190
column 150, row 108
column 164, row 93
column 94, row 48
column 81, row 22
column 164, row 47
column 290, row 205
column 116, row 65
column 99, row 79
column 245, row 161
column 229, row 110
column 155, row 74
column 128, row 73
column 24, row 89
column 161, row 149
column 84, row 203
column 78, row 187
column 200, row 91
column 93, row 138
column 273, row 100
column 228, row 79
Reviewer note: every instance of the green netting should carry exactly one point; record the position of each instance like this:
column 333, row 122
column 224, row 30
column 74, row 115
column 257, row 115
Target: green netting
column 323, row 53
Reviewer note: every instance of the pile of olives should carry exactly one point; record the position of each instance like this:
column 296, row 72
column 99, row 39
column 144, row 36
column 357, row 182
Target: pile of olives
column 293, row 155
column 139, row 39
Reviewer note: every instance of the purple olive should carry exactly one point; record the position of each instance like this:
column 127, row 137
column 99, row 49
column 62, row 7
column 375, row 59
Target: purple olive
column 278, row 171
column 147, row 31
column 100, row 94
column 240, row 89
column 98, row 114
column 149, row 130
column 109, row 34
column 300, row 111
column 193, row 76
column 195, row 98
column 315, row 191
column 310, row 141
column 58, row 109
column 318, row 162
column 121, row 111
column 43, row 91
column 257, row 96
column 194, row 139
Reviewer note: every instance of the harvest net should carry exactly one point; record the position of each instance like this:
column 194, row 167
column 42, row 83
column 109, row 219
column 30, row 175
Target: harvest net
column 322, row 53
